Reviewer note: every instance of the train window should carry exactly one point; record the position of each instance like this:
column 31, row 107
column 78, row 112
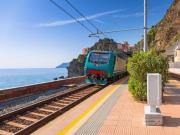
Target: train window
column 99, row 58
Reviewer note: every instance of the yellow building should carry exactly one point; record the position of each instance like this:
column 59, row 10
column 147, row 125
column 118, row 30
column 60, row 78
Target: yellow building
column 172, row 52
column 177, row 54
column 173, row 55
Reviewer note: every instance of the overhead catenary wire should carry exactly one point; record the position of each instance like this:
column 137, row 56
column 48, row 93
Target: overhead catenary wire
column 115, row 31
column 80, row 13
column 74, row 18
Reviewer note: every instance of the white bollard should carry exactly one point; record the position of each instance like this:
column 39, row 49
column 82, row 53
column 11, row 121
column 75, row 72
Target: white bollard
column 154, row 90
column 153, row 115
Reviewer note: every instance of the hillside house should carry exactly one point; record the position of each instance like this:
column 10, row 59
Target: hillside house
column 171, row 52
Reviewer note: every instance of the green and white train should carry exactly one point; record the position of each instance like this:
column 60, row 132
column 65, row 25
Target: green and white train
column 102, row 67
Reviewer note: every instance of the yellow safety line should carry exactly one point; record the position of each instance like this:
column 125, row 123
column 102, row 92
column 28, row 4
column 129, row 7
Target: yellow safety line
column 88, row 110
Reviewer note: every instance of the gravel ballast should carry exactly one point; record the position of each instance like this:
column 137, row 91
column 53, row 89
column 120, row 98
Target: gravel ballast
column 19, row 102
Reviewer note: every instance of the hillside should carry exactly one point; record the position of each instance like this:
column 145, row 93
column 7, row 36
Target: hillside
column 167, row 31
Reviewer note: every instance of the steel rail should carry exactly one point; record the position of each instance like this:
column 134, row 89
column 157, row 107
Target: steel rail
column 83, row 92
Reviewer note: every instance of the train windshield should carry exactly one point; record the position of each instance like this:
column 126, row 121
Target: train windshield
column 99, row 58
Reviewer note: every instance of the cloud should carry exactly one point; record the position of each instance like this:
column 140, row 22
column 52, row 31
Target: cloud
column 137, row 14
column 66, row 22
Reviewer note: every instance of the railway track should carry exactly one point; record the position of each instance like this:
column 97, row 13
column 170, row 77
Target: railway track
column 27, row 119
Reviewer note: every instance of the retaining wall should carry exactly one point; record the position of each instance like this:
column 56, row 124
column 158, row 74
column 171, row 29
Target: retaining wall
column 6, row 94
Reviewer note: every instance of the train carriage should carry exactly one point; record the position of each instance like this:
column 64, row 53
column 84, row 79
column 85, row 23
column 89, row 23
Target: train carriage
column 101, row 67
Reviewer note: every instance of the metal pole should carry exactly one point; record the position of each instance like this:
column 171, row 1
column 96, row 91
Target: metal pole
column 145, row 26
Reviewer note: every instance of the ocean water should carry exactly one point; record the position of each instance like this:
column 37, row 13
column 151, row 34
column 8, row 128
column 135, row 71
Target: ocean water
column 20, row 77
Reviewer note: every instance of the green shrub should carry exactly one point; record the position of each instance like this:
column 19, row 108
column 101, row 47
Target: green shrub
column 139, row 65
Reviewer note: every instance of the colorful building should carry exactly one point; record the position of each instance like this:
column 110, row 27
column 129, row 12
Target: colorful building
column 125, row 46
column 85, row 51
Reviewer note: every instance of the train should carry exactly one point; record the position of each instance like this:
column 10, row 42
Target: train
column 103, row 67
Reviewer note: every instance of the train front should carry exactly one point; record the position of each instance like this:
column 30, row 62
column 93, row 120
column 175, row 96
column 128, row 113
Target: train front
column 98, row 67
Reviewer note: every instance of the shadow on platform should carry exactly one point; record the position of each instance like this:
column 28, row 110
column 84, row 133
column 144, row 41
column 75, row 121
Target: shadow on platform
column 171, row 121
column 123, row 82
column 171, row 95
column 172, row 99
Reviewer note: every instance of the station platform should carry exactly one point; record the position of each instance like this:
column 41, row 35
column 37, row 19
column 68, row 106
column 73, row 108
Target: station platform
column 113, row 111
column 127, row 115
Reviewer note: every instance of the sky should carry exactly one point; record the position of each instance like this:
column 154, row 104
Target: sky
column 36, row 34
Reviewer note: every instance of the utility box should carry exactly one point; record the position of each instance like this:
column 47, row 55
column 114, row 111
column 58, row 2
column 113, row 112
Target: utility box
column 154, row 89
column 152, row 111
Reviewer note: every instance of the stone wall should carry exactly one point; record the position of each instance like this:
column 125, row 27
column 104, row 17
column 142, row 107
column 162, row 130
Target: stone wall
column 25, row 90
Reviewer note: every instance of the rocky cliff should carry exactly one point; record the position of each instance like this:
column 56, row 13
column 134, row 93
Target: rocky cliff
column 63, row 65
column 76, row 66
column 167, row 31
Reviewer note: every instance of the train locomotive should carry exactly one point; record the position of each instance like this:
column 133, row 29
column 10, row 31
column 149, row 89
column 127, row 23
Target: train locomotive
column 102, row 67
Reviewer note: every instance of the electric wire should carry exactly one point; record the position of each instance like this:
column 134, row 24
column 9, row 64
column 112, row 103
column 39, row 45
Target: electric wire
column 66, row 12
column 115, row 31
column 80, row 13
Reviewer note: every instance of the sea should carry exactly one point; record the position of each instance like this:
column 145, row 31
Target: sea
column 10, row 78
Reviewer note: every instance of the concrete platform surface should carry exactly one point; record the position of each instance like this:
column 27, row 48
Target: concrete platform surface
column 126, row 116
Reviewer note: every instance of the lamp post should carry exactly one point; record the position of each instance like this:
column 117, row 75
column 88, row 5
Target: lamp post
column 145, row 48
